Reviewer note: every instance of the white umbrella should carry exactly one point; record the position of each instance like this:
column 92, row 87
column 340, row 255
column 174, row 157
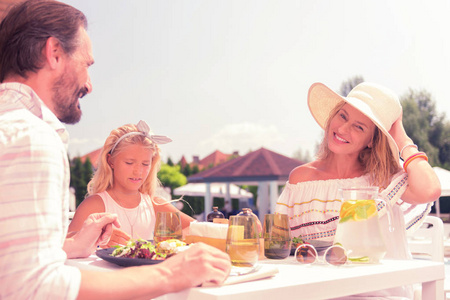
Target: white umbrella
column 217, row 190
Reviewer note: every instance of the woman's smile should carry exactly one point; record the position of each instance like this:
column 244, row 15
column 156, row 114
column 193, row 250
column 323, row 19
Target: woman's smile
column 339, row 138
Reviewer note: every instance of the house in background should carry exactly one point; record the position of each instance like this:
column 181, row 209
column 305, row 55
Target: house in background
column 263, row 168
column 93, row 157
column 214, row 159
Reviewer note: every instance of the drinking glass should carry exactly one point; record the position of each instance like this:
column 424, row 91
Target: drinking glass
column 167, row 226
column 242, row 242
column 277, row 236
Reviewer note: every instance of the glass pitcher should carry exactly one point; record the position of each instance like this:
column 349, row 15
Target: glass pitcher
column 359, row 230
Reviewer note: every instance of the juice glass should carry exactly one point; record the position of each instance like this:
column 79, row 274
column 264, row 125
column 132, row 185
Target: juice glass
column 277, row 236
column 242, row 242
column 167, row 226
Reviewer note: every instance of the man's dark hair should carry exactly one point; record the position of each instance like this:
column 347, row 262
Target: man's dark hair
column 25, row 29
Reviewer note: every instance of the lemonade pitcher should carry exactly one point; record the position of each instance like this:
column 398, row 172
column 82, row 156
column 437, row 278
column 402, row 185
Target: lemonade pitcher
column 359, row 230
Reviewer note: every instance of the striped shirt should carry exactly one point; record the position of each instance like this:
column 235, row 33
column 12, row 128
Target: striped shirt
column 34, row 199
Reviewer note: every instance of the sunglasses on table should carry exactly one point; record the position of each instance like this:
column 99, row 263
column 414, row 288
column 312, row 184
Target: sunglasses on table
column 335, row 255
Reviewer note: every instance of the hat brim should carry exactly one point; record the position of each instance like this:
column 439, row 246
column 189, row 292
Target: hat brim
column 322, row 100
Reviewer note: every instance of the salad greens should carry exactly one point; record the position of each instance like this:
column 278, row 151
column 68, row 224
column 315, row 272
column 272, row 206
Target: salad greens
column 138, row 249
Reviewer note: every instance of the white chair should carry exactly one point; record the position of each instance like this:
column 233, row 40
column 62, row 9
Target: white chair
column 427, row 242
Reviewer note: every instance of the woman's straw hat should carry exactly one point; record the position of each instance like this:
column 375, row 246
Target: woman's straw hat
column 378, row 103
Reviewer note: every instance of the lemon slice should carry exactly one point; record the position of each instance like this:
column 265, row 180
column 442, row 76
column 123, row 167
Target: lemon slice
column 236, row 232
column 357, row 210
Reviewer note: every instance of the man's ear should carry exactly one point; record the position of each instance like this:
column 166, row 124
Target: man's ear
column 53, row 52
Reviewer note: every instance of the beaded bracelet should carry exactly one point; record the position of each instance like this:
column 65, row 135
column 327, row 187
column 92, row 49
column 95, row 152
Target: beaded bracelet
column 406, row 146
column 413, row 157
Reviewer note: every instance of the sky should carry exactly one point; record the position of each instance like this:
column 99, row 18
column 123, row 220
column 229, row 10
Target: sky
column 233, row 75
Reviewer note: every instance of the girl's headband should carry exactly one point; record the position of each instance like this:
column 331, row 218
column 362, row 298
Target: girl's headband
column 144, row 130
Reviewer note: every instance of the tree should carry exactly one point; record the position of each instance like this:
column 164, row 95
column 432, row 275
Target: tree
column 301, row 155
column 187, row 170
column 426, row 127
column 88, row 170
column 349, row 84
column 170, row 162
column 80, row 175
column 195, row 170
column 170, row 176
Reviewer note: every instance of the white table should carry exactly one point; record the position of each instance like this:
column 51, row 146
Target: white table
column 317, row 281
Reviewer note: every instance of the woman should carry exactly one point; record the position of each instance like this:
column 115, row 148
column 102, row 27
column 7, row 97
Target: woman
column 125, row 184
column 360, row 148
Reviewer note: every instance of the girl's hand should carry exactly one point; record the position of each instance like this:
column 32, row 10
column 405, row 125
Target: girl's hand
column 118, row 238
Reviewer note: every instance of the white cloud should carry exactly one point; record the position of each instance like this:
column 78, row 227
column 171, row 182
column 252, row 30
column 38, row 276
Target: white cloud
column 78, row 141
column 82, row 146
column 242, row 137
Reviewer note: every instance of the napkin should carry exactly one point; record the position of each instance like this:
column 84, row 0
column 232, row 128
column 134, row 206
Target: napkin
column 263, row 271
column 208, row 229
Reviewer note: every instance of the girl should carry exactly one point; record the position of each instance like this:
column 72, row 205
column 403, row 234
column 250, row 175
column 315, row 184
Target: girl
column 125, row 184
column 360, row 148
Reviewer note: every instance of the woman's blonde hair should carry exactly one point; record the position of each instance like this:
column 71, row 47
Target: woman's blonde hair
column 378, row 161
column 103, row 176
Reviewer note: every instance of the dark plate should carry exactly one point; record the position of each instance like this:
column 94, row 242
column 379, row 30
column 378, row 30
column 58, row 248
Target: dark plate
column 105, row 254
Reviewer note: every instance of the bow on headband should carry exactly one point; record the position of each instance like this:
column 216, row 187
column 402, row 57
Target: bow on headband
column 145, row 131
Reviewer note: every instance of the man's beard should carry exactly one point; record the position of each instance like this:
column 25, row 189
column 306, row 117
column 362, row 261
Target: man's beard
column 66, row 105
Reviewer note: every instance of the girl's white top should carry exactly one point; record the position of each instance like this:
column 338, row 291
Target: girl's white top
column 141, row 217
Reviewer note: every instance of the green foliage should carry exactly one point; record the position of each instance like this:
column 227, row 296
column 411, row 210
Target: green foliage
column 252, row 189
column 195, row 169
column 197, row 204
column 349, row 84
column 187, row 170
column 170, row 162
column 80, row 175
column 426, row 127
column 170, row 176
column 88, row 170
column 301, row 155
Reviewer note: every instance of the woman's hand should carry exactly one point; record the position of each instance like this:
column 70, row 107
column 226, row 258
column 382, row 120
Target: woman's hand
column 398, row 133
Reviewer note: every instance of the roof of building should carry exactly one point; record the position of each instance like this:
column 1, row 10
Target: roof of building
column 259, row 165
column 93, row 157
column 214, row 159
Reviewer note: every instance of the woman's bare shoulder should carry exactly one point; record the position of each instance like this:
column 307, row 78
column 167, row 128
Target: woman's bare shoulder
column 307, row 172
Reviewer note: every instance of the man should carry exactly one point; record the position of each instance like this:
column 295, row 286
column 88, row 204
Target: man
column 45, row 53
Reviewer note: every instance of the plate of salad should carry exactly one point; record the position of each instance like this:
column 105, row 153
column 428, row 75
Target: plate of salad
column 140, row 252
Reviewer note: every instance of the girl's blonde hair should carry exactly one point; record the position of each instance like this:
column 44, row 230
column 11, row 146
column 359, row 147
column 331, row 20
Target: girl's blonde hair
column 103, row 176
column 378, row 161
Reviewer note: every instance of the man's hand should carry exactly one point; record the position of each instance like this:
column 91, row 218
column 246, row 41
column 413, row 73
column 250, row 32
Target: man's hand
column 198, row 264
column 96, row 230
